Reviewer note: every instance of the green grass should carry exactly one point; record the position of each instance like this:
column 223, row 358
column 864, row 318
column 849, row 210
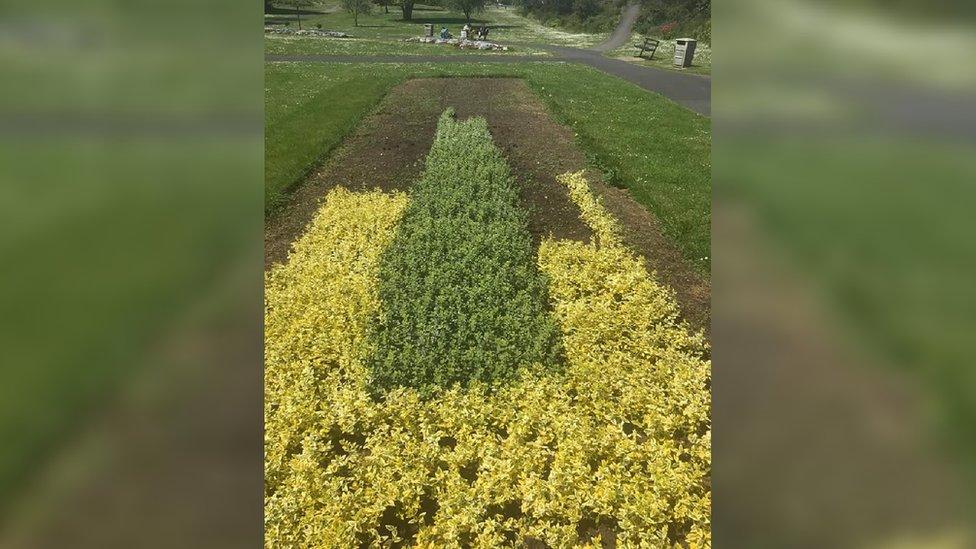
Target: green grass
column 664, row 56
column 307, row 113
column 517, row 28
column 462, row 298
column 643, row 142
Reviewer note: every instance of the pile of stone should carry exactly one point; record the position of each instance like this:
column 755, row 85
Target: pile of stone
column 461, row 43
column 306, row 32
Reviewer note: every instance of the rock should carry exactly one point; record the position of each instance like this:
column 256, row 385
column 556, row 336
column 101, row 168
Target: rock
column 461, row 43
column 306, row 32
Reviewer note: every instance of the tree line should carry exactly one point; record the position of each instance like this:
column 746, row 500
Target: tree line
column 662, row 18
column 362, row 7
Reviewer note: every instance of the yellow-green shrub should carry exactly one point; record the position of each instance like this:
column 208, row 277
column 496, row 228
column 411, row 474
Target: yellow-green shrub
column 621, row 439
column 316, row 307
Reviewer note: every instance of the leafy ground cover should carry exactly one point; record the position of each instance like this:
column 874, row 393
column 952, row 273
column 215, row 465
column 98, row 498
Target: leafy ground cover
column 462, row 298
column 613, row 449
column 664, row 162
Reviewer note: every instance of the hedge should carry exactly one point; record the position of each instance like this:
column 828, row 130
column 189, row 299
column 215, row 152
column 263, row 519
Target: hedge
column 462, row 299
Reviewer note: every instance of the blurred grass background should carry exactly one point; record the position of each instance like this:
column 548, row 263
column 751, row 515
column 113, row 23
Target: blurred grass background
column 130, row 177
column 843, row 169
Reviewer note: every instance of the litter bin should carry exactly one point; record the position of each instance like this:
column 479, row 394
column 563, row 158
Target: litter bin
column 684, row 51
column 429, row 29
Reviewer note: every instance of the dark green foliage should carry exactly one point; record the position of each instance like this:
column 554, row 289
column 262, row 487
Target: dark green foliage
column 684, row 18
column 575, row 15
column 462, row 299
column 467, row 7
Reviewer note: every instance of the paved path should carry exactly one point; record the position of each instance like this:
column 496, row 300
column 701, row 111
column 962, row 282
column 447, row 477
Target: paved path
column 622, row 32
column 691, row 90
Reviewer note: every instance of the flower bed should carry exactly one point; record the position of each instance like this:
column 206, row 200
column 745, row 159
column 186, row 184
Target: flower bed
column 615, row 445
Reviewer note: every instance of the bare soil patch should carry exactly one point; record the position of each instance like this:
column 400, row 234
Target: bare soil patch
column 388, row 149
column 522, row 129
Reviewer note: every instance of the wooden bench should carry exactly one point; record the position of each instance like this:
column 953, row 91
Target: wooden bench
column 649, row 44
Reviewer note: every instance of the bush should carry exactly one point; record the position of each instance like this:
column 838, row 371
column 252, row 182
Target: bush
column 462, row 299
column 690, row 19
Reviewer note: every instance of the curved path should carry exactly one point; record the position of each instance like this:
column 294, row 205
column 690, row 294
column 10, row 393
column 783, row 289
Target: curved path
column 691, row 90
column 622, row 32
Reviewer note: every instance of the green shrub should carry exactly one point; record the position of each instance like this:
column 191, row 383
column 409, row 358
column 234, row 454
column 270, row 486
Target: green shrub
column 461, row 297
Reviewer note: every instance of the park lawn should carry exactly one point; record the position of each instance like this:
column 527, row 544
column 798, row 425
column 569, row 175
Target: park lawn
column 641, row 141
column 508, row 27
column 378, row 25
column 288, row 45
column 664, row 56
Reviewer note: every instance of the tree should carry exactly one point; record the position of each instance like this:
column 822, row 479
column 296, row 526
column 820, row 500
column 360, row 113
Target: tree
column 467, row 7
column 357, row 7
column 298, row 5
column 407, row 7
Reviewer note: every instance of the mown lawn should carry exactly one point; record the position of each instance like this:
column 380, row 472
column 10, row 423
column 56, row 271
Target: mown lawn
column 655, row 148
column 507, row 25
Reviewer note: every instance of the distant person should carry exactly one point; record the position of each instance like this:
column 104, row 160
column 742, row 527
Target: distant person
column 444, row 33
column 465, row 31
column 483, row 33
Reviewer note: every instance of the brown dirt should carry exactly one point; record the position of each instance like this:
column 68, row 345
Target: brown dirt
column 642, row 233
column 388, row 149
column 531, row 142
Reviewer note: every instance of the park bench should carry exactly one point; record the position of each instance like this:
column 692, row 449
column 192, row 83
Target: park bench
column 649, row 44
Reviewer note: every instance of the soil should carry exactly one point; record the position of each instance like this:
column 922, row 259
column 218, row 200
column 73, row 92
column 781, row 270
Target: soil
column 388, row 149
column 642, row 233
column 386, row 152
